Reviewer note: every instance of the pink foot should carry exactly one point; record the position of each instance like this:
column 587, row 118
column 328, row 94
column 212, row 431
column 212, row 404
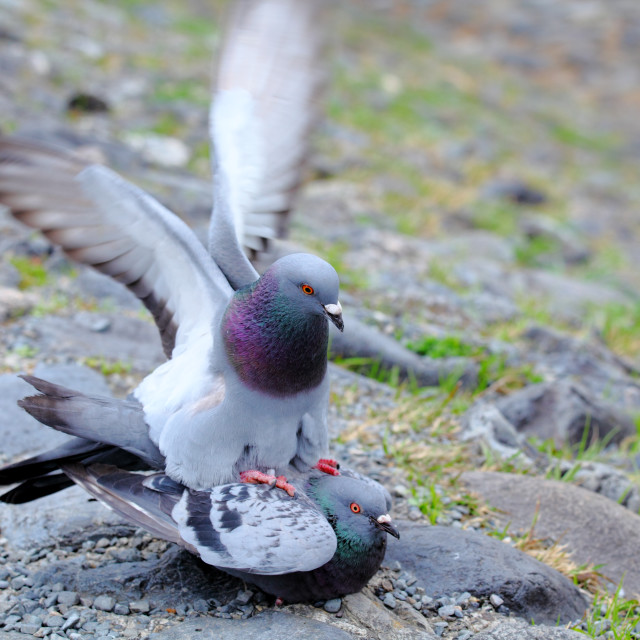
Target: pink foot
column 327, row 465
column 258, row 477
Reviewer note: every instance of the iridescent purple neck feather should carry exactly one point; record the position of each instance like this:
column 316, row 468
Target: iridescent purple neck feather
column 275, row 345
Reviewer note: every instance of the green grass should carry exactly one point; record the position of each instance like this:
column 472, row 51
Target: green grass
column 32, row 271
column 612, row 613
column 108, row 367
column 539, row 252
column 185, row 90
column 570, row 136
column 25, row 351
column 445, row 347
column 619, row 326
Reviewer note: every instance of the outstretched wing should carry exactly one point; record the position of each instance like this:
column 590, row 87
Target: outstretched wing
column 264, row 106
column 101, row 220
column 255, row 528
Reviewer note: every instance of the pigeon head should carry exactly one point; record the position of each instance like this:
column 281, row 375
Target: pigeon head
column 275, row 331
column 311, row 283
column 356, row 510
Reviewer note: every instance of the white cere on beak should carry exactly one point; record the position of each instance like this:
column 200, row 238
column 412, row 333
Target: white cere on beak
column 334, row 309
column 384, row 519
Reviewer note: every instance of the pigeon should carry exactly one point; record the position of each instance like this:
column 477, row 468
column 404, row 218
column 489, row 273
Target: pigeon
column 245, row 389
column 326, row 542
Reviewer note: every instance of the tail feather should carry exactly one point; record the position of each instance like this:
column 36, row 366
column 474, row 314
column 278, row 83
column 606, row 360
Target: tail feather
column 43, row 463
column 40, row 476
column 35, row 488
column 100, row 419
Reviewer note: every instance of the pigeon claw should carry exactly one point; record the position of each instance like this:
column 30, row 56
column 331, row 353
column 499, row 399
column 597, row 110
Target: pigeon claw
column 281, row 483
column 257, row 477
column 327, row 465
column 253, row 476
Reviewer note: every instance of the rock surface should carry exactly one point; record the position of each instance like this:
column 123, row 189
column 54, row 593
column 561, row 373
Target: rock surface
column 449, row 560
column 20, row 433
column 520, row 630
column 474, row 184
column 594, row 529
column 268, row 626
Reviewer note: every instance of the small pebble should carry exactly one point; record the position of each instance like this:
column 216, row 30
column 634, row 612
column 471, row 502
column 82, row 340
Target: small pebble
column 244, row 597
column 386, row 585
column 121, row 609
column 389, row 601
column 143, row 606
column 495, row 600
column 29, row 628
column 50, row 600
column 71, row 621
column 448, row 611
column 333, row 605
column 202, row 606
column 439, row 627
column 54, row 621
column 465, row 634
column 104, row 603
column 18, row 583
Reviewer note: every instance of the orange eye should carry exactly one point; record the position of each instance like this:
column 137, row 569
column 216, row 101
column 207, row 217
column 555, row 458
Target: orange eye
column 355, row 507
column 308, row 289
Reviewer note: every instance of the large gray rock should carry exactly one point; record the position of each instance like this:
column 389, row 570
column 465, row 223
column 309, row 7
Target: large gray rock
column 46, row 521
column 128, row 339
column 19, row 432
column 600, row 371
column 561, row 411
column 362, row 341
column 447, row 560
column 514, row 629
column 370, row 613
column 270, row 625
column 595, row 530
column 100, row 286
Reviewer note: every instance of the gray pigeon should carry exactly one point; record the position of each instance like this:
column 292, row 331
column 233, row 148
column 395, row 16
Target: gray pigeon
column 245, row 388
column 326, row 542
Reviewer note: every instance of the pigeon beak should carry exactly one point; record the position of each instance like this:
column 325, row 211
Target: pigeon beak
column 384, row 523
column 334, row 313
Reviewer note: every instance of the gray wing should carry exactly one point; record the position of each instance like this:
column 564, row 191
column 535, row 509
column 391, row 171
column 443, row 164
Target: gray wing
column 101, row 220
column 255, row 528
column 264, row 106
column 129, row 495
column 250, row 528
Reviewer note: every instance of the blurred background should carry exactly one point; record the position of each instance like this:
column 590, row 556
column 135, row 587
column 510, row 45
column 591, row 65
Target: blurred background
column 474, row 181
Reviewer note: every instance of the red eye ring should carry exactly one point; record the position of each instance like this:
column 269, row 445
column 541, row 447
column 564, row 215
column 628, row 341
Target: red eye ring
column 355, row 507
column 307, row 288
